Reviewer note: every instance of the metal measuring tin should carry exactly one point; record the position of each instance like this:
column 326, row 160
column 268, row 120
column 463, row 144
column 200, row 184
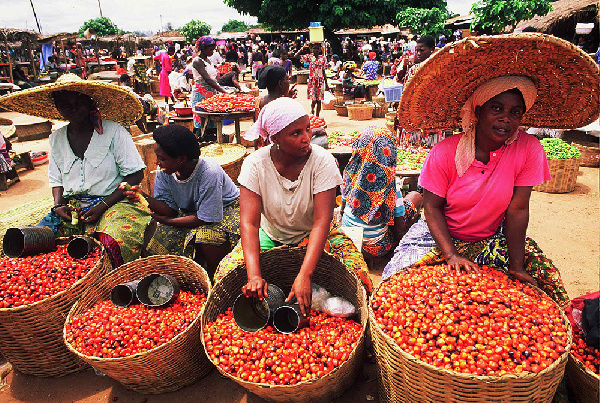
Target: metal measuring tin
column 288, row 318
column 253, row 314
column 24, row 241
column 157, row 289
column 123, row 295
column 80, row 246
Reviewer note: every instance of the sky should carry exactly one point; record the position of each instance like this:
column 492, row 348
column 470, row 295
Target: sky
column 131, row 15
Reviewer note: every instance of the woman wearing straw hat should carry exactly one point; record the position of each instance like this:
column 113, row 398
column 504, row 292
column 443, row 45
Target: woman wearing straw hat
column 291, row 184
column 478, row 183
column 89, row 158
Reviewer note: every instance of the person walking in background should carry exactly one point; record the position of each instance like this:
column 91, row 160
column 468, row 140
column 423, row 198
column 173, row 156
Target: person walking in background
column 166, row 66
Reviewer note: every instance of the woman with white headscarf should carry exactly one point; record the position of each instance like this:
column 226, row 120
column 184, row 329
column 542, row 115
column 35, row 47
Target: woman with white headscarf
column 292, row 184
column 477, row 184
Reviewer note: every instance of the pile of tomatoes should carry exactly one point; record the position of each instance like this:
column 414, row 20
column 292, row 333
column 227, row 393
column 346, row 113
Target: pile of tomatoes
column 589, row 356
column 107, row 331
column 481, row 324
column 269, row 357
column 316, row 122
column 411, row 157
column 29, row 279
column 228, row 103
column 341, row 139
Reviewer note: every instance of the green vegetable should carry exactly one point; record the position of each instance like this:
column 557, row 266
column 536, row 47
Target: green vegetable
column 559, row 149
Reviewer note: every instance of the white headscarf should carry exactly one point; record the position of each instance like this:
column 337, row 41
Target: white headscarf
column 274, row 117
column 465, row 151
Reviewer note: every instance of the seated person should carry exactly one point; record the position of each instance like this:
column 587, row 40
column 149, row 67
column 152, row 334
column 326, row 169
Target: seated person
column 348, row 84
column 195, row 202
column 230, row 79
column 371, row 198
column 277, row 82
column 371, row 66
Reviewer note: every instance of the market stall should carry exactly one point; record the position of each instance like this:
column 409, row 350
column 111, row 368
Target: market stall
column 223, row 107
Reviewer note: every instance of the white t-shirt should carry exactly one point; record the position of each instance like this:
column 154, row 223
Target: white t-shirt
column 287, row 207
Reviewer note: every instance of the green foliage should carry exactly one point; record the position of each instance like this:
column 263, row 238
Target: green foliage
column 102, row 26
column 234, row 26
column 194, row 30
column 494, row 16
column 333, row 14
column 559, row 149
column 424, row 21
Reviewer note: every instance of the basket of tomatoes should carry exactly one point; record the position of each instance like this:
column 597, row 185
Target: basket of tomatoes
column 315, row 363
column 36, row 293
column 223, row 103
column 440, row 335
column 147, row 349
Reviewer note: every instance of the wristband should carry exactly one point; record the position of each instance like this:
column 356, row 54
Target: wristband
column 105, row 203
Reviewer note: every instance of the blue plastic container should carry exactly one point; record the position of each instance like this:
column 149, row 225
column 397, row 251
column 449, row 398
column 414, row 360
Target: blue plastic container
column 228, row 121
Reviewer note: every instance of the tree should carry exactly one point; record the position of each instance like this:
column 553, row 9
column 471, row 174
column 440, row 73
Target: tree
column 494, row 16
column 234, row 26
column 194, row 30
column 102, row 26
column 424, row 21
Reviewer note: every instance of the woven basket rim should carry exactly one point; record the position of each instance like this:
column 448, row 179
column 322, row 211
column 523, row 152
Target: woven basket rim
column 63, row 292
column 155, row 349
column 309, row 382
column 445, row 372
column 582, row 367
column 474, row 60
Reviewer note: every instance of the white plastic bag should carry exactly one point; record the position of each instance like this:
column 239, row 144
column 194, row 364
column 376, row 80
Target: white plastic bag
column 319, row 297
column 328, row 97
column 339, row 307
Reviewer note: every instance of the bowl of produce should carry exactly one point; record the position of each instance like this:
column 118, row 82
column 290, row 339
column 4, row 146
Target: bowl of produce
column 182, row 109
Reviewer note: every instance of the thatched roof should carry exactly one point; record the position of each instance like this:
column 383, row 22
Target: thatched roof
column 18, row 35
column 564, row 16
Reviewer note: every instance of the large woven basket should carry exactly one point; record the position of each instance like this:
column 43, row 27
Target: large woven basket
column 360, row 111
column 582, row 382
column 403, row 378
column 280, row 267
column 590, row 155
column 31, row 336
column 230, row 157
column 341, row 110
column 380, row 111
column 171, row 366
column 564, row 176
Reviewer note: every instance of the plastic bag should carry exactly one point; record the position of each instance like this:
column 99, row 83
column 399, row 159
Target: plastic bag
column 319, row 297
column 339, row 307
column 328, row 97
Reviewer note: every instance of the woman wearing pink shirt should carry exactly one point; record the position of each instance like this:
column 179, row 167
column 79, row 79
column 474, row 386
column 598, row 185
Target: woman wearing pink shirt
column 477, row 184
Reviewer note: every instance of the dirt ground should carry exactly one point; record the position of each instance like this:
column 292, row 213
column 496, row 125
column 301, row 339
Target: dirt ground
column 564, row 225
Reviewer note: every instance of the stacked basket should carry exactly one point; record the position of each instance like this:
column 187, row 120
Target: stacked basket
column 340, row 108
column 280, row 267
column 563, row 160
column 360, row 111
column 171, row 366
column 229, row 156
column 31, row 335
column 590, row 154
column 583, row 382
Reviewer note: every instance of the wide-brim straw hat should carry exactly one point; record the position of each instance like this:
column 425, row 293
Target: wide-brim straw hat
column 566, row 79
column 5, row 121
column 114, row 103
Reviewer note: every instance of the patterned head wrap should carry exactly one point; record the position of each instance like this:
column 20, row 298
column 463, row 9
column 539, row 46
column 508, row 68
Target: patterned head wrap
column 205, row 42
column 274, row 117
column 369, row 178
column 372, row 55
column 465, row 151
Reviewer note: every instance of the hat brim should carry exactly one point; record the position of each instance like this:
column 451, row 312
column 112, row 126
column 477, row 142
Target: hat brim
column 114, row 103
column 566, row 79
column 5, row 121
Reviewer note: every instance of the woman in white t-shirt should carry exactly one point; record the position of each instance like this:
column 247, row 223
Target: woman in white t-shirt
column 287, row 197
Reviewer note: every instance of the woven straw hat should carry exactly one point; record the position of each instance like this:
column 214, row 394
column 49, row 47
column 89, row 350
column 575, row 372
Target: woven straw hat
column 115, row 103
column 566, row 79
column 225, row 153
column 5, row 121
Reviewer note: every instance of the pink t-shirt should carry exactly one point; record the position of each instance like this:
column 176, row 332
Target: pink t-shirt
column 476, row 202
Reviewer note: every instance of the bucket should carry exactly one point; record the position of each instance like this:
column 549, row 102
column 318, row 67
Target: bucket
column 288, row 318
column 124, row 294
column 23, row 241
column 316, row 34
column 252, row 314
column 157, row 290
column 79, row 247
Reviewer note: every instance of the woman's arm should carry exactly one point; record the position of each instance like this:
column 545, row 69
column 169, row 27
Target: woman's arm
column 436, row 221
column 209, row 80
column 250, row 209
column 323, row 213
column 516, row 221
column 236, row 83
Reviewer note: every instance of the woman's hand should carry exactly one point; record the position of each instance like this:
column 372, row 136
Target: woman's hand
column 256, row 287
column 456, row 262
column 94, row 214
column 302, row 290
column 133, row 193
column 522, row 276
column 159, row 218
column 293, row 92
column 64, row 212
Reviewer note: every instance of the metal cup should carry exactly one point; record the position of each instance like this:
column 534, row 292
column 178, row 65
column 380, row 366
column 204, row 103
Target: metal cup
column 252, row 314
column 79, row 247
column 23, row 241
column 150, row 293
column 288, row 318
column 124, row 294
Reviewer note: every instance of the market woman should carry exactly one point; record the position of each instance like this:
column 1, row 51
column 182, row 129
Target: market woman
column 205, row 77
column 291, row 184
column 317, row 82
column 89, row 158
column 195, row 203
column 478, row 183
column 166, row 66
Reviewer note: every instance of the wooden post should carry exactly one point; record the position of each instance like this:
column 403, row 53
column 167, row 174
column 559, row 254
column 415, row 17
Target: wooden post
column 10, row 74
column 31, row 58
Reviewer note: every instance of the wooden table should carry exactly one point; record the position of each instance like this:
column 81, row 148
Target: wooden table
column 219, row 117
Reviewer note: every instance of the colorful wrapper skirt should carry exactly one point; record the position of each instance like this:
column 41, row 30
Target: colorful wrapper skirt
column 418, row 248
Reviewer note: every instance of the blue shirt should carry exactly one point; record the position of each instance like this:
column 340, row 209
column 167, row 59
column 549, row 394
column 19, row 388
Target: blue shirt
column 370, row 69
column 205, row 192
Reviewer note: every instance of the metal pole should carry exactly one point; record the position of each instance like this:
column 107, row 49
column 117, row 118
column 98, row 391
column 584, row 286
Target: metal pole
column 100, row 7
column 35, row 15
column 161, row 27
